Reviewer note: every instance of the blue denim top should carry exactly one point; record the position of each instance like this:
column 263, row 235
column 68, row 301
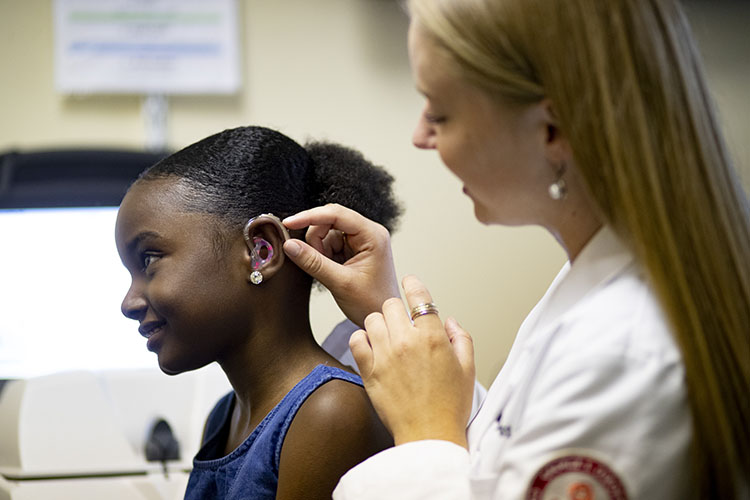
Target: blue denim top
column 252, row 470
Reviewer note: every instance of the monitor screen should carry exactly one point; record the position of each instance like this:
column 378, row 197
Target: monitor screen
column 61, row 285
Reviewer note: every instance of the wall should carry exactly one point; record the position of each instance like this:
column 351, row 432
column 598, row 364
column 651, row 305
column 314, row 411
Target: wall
column 338, row 70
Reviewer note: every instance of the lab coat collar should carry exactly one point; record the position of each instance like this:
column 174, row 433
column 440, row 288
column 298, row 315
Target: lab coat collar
column 604, row 257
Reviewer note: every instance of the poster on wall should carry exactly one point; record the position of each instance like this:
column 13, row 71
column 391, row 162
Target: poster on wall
column 146, row 46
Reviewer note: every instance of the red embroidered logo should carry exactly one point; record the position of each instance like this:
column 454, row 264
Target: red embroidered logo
column 580, row 491
column 576, row 477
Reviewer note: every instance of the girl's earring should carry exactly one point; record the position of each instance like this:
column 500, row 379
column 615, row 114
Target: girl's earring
column 558, row 190
column 256, row 277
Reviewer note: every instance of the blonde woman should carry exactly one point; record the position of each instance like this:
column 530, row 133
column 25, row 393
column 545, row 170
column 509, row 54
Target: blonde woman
column 630, row 378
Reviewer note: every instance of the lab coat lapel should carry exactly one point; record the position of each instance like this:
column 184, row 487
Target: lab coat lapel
column 503, row 386
column 603, row 258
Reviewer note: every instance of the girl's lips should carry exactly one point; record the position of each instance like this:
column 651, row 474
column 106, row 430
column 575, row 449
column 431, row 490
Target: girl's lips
column 151, row 328
column 153, row 339
column 151, row 331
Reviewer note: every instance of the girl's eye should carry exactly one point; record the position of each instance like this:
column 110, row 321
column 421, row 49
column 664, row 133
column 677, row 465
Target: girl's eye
column 148, row 258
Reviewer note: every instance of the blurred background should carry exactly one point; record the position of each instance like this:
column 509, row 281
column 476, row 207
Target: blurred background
column 323, row 69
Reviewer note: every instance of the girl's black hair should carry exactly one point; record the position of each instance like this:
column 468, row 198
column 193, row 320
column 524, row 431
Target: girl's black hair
column 243, row 172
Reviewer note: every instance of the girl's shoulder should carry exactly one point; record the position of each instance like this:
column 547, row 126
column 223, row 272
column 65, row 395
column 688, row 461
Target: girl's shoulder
column 334, row 429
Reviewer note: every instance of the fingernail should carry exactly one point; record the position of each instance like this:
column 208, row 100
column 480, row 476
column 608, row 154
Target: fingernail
column 292, row 248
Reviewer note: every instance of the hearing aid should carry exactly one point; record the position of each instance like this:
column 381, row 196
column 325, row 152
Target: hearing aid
column 257, row 245
column 256, row 253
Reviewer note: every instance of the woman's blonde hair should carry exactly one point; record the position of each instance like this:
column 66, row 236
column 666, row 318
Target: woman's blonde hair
column 627, row 87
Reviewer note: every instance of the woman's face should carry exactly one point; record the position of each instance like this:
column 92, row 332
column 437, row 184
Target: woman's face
column 191, row 302
column 497, row 150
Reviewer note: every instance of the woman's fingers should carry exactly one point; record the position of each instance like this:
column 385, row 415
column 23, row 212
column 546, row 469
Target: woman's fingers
column 359, row 344
column 377, row 333
column 421, row 377
column 312, row 262
column 349, row 254
column 421, row 308
column 316, row 236
column 332, row 216
column 340, row 233
column 334, row 244
column 463, row 346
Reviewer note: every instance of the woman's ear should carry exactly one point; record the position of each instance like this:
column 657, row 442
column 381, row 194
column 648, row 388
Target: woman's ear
column 264, row 237
column 557, row 148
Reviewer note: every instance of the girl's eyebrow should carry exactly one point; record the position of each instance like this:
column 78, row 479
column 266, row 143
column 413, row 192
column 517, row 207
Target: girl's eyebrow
column 138, row 238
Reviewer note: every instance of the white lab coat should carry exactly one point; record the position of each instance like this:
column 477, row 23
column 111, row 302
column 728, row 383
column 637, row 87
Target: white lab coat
column 593, row 372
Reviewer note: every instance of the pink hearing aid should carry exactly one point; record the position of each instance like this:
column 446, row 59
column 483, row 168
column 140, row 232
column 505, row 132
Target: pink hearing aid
column 258, row 244
column 257, row 255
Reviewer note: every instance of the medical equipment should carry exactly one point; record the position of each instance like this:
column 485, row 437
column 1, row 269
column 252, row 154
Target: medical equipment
column 85, row 435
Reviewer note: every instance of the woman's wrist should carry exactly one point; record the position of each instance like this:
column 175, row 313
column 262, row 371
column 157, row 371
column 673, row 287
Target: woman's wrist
column 452, row 435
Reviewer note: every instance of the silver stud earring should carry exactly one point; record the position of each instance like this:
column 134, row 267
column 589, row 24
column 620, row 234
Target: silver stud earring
column 558, row 190
column 256, row 277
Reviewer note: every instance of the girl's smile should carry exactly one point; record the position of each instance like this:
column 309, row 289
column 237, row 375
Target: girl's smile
column 151, row 331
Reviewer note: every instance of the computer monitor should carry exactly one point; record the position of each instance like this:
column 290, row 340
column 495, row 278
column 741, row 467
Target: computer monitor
column 61, row 280
column 62, row 285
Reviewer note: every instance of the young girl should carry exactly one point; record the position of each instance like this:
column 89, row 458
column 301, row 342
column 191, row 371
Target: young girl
column 210, row 283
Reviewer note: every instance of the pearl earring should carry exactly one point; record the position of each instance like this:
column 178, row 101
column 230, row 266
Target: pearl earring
column 558, row 190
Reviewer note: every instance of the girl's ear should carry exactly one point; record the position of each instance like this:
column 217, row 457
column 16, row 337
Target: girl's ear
column 264, row 236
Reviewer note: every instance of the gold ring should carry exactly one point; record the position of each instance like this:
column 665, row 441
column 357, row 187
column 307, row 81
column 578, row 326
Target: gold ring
column 424, row 308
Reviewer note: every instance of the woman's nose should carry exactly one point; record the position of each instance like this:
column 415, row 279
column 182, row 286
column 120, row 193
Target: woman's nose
column 424, row 134
column 134, row 305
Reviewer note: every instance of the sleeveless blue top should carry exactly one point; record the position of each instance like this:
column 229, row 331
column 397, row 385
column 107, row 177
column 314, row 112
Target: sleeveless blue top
column 252, row 470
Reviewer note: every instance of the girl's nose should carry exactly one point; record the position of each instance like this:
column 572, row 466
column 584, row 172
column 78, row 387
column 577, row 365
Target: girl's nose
column 134, row 305
column 424, row 134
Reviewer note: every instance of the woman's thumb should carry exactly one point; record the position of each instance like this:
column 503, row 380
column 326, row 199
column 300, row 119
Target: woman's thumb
column 309, row 260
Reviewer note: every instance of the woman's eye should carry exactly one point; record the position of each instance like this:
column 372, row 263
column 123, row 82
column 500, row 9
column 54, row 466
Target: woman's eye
column 434, row 119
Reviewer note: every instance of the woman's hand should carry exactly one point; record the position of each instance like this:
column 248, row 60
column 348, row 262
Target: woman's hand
column 349, row 254
column 420, row 376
